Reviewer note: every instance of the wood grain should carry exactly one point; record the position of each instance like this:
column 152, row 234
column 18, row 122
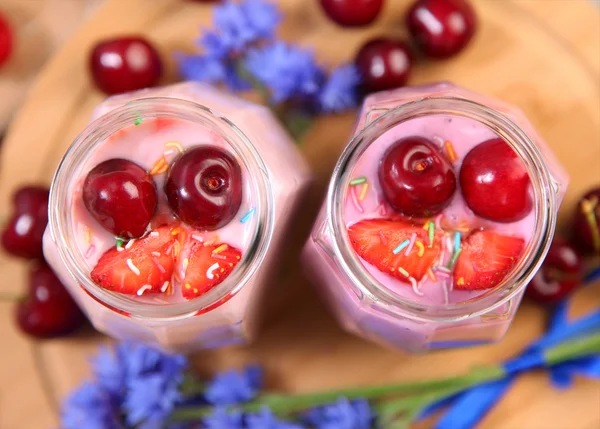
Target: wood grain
column 542, row 55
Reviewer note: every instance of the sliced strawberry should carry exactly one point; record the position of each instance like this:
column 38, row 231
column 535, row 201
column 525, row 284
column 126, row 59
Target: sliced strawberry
column 143, row 268
column 207, row 266
column 375, row 240
column 485, row 259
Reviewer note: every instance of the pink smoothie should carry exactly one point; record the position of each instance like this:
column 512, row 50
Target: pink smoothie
column 147, row 144
column 463, row 134
column 281, row 173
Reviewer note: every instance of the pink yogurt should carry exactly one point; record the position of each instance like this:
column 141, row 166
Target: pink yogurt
column 275, row 177
column 433, row 314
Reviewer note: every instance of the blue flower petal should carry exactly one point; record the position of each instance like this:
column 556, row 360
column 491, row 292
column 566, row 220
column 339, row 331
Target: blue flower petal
column 342, row 414
column 340, row 91
column 90, row 407
column 223, row 419
column 233, row 387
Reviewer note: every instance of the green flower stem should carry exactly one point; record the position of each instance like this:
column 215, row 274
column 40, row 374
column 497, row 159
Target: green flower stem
column 426, row 391
column 192, row 387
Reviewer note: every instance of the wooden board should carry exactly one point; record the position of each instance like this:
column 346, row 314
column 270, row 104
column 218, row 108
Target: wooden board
column 542, row 55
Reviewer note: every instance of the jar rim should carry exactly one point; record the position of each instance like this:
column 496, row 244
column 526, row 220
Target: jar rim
column 62, row 230
column 544, row 196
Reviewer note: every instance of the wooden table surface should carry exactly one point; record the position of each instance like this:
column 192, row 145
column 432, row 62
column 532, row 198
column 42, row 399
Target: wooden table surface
column 542, row 55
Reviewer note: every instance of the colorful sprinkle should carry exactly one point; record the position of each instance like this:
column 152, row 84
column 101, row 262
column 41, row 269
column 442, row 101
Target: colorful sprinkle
column 401, row 246
column 413, row 237
column 403, row 272
column 165, row 286
column 217, row 256
column 449, row 244
column 445, row 291
column 154, row 234
column 456, row 241
column 441, row 269
column 209, row 272
column 358, row 181
column 175, row 145
column 382, row 210
column 450, row 150
column 160, row 167
column 186, row 262
column 384, row 241
column 363, row 192
column 88, row 235
column 137, row 121
column 247, row 216
column 421, row 248
column 130, row 243
column 426, row 225
column 220, row 249
column 431, row 229
column 119, row 244
column 415, row 286
column 143, row 289
column 132, row 267
column 454, row 258
column 443, row 274
column 89, row 251
column 157, row 254
column 160, row 267
column 356, row 202
column 431, row 275
column 587, row 208
column 198, row 237
column 438, row 221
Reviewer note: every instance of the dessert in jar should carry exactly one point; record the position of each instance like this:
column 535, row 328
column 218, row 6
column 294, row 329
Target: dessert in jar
column 167, row 215
column 439, row 212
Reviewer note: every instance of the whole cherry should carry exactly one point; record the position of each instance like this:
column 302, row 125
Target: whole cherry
column 383, row 64
column 561, row 272
column 6, row 39
column 204, row 187
column 48, row 311
column 416, row 179
column 121, row 196
column 495, row 183
column 22, row 235
column 586, row 222
column 441, row 28
column 125, row 64
column 352, row 13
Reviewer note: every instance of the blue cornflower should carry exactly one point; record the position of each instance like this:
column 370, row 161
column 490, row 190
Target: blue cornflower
column 223, row 419
column 109, row 367
column 287, row 71
column 90, row 407
column 340, row 90
column 265, row 419
column 342, row 414
column 153, row 381
column 204, row 68
column 241, row 24
column 234, row 387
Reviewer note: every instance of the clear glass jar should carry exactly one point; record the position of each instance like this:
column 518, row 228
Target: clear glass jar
column 362, row 303
column 228, row 313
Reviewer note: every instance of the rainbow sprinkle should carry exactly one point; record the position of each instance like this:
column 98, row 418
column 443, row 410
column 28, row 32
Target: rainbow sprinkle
column 438, row 221
column 247, row 216
column 156, row 262
column 358, row 181
column 160, row 167
column 450, row 149
column 454, row 258
column 413, row 237
column 175, row 145
column 443, row 274
column 403, row 272
column 431, row 229
column 415, row 286
column 143, row 289
column 421, row 248
column 137, row 121
column 119, row 244
column 400, row 247
column 363, row 192
column 356, row 202
column 431, row 275
column 220, row 249
column 132, row 267
column 165, row 286
column 426, row 225
column 456, row 241
column 130, row 243
column 209, row 272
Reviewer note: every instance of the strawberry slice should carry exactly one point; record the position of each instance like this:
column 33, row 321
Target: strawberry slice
column 207, row 266
column 143, row 268
column 375, row 240
column 485, row 259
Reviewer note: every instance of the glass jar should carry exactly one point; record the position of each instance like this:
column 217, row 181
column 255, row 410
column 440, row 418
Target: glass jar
column 362, row 300
column 229, row 312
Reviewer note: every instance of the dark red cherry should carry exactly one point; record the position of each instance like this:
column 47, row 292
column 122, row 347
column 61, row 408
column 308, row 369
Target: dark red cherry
column 204, row 187
column 125, row 64
column 495, row 183
column 6, row 39
column 416, row 179
column 121, row 196
column 561, row 272
column 441, row 28
column 48, row 311
column 383, row 64
column 352, row 13
column 22, row 235
column 586, row 223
